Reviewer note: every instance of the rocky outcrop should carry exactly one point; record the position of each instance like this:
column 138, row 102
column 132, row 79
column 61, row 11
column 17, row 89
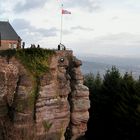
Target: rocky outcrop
column 53, row 106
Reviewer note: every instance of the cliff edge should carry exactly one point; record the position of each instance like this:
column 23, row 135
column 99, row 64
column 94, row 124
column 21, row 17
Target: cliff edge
column 42, row 97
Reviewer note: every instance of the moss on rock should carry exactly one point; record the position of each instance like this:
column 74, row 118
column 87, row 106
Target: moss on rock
column 36, row 60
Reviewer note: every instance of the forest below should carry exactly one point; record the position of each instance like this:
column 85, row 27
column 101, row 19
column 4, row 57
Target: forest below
column 115, row 106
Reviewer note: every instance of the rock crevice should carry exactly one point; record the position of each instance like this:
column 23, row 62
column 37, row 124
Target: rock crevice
column 54, row 108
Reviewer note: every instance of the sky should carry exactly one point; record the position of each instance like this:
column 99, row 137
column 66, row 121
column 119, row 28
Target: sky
column 94, row 27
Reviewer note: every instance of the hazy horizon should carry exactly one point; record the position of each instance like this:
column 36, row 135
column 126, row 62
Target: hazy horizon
column 101, row 63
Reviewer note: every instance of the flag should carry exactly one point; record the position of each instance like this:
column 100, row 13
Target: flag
column 65, row 12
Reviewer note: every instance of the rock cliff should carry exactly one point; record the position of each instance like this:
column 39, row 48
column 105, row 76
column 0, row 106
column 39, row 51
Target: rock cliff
column 51, row 106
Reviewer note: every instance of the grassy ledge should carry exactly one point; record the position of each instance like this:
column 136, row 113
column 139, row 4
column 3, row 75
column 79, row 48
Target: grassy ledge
column 36, row 60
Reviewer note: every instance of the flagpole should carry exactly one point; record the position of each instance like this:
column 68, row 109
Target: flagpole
column 61, row 30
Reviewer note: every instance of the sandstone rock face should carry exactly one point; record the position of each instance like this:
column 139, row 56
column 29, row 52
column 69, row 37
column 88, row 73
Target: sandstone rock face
column 52, row 107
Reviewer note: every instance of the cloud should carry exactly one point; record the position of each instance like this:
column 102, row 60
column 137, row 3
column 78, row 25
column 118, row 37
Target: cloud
column 3, row 9
column 89, row 5
column 31, row 34
column 28, row 5
column 120, row 37
column 122, row 44
column 47, row 32
column 67, row 32
column 117, row 44
column 81, row 28
column 115, row 18
column 21, row 24
column 24, row 25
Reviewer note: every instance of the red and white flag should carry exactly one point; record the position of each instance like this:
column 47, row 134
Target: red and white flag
column 65, row 12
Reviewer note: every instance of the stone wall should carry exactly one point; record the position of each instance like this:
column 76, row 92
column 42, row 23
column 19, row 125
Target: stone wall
column 9, row 44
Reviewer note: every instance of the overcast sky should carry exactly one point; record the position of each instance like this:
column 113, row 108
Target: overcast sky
column 104, row 27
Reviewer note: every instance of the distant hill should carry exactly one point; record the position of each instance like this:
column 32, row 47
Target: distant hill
column 102, row 63
column 94, row 67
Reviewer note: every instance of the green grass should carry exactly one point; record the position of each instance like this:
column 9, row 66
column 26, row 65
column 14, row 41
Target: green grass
column 36, row 60
column 47, row 125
